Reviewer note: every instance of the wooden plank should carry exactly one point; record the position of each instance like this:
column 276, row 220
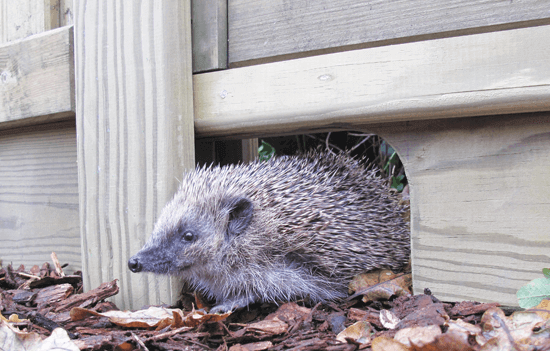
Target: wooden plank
column 249, row 150
column 37, row 78
column 39, row 196
column 66, row 15
column 260, row 30
column 22, row 18
column 209, row 35
column 483, row 74
column 61, row 13
column 135, row 133
column 479, row 203
column 52, row 17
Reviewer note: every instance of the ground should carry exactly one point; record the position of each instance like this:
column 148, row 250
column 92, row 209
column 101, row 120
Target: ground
column 47, row 310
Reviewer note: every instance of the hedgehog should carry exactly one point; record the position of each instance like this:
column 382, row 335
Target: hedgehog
column 292, row 227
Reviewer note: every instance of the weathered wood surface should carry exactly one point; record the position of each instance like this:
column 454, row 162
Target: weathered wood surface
column 22, row 18
column 39, row 196
column 263, row 30
column 37, row 74
column 66, row 14
column 209, row 35
column 482, row 74
column 37, row 79
column 135, row 132
column 479, row 203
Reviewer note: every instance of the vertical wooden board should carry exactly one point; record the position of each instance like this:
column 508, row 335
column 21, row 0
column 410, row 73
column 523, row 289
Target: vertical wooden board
column 51, row 14
column 250, row 149
column 209, row 35
column 264, row 30
column 479, row 203
column 39, row 196
column 135, row 132
column 66, row 12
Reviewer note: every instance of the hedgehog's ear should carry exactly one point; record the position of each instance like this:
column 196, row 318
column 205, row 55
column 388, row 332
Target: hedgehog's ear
column 241, row 211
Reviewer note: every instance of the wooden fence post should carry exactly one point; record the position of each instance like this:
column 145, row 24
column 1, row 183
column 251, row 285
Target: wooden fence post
column 134, row 117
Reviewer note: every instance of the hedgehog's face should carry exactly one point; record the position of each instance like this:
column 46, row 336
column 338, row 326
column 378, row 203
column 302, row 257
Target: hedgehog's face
column 186, row 236
column 176, row 244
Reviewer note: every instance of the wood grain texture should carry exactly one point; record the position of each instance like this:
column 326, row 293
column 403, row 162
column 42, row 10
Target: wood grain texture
column 22, row 18
column 260, row 29
column 250, row 150
column 479, row 203
column 66, row 12
column 209, row 35
column 483, row 74
column 39, row 196
column 135, row 133
column 37, row 78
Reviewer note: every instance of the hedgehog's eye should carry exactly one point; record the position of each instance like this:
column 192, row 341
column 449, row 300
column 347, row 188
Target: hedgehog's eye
column 188, row 236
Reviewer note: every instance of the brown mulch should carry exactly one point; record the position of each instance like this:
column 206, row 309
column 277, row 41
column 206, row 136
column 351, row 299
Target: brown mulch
column 43, row 298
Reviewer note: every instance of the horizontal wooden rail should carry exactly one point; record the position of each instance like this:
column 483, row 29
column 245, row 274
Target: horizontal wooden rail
column 484, row 74
column 37, row 79
column 261, row 31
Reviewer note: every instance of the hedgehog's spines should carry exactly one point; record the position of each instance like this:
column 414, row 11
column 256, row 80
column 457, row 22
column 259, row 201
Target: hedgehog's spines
column 318, row 219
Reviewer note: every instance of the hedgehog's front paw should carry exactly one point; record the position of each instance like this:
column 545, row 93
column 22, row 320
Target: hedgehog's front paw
column 232, row 304
column 222, row 308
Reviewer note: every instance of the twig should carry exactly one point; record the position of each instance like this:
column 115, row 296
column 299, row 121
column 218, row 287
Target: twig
column 196, row 343
column 361, row 134
column 31, row 278
column 26, row 275
column 327, row 143
column 168, row 334
column 227, row 329
column 140, row 343
column 57, row 265
column 505, row 328
column 362, row 141
column 330, row 144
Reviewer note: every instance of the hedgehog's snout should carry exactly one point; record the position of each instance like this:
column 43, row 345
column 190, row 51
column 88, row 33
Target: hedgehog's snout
column 134, row 265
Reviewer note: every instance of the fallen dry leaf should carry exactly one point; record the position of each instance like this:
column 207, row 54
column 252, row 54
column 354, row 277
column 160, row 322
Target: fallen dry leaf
column 389, row 319
column 194, row 318
column 446, row 342
column 265, row 327
column 465, row 330
column 359, row 332
column 540, row 309
column 153, row 317
column 418, row 336
column 290, row 311
column 433, row 314
column 521, row 328
column 383, row 343
column 365, row 280
column 271, row 326
column 13, row 339
column 384, row 291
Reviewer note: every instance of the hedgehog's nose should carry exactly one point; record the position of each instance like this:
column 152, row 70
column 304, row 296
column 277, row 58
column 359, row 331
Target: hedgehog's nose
column 134, row 265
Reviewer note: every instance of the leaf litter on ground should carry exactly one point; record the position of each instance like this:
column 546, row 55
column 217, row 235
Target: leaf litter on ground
column 45, row 309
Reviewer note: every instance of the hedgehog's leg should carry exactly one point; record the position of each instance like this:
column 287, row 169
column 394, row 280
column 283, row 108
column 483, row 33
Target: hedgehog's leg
column 233, row 303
